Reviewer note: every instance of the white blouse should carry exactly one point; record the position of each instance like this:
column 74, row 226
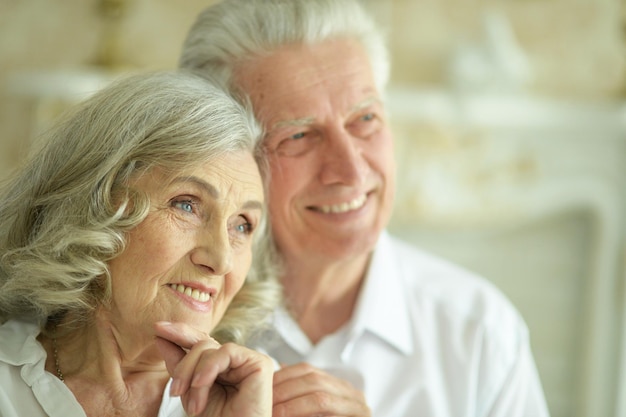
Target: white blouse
column 27, row 389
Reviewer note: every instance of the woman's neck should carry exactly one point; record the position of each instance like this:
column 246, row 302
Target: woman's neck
column 97, row 350
column 101, row 372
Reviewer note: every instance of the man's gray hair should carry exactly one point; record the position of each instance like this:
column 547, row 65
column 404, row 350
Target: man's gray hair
column 233, row 31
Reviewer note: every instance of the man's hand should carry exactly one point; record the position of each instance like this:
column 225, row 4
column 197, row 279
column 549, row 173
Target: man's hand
column 304, row 391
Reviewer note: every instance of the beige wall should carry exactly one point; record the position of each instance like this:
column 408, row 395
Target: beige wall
column 576, row 48
column 54, row 38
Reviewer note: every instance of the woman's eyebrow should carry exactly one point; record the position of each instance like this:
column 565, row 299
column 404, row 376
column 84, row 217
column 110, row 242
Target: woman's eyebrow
column 205, row 186
column 252, row 205
column 214, row 193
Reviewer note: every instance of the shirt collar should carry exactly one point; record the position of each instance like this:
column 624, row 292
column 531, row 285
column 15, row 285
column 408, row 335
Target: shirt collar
column 381, row 309
column 382, row 306
column 18, row 343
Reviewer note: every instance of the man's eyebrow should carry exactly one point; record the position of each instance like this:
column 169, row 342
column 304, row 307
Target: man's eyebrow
column 366, row 103
column 303, row 121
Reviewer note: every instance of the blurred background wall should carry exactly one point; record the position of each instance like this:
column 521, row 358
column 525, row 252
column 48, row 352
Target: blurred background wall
column 510, row 123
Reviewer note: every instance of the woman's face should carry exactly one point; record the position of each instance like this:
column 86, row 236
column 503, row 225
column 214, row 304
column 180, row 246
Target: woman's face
column 186, row 261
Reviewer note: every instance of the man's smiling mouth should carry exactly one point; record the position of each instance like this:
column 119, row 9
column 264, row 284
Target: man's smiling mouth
column 355, row 204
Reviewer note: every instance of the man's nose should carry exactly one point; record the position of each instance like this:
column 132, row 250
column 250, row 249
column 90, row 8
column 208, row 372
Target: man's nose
column 343, row 159
column 213, row 253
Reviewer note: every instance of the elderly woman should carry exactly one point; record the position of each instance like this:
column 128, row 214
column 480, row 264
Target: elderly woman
column 125, row 242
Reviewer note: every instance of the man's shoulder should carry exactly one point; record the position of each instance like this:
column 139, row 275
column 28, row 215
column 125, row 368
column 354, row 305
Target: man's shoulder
column 453, row 292
column 424, row 268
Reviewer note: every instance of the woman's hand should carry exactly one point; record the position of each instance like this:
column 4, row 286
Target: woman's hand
column 212, row 379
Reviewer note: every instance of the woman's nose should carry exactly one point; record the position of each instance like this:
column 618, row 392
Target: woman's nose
column 213, row 253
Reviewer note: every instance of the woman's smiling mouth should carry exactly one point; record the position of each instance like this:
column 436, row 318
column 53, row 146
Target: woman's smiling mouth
column 194, row 293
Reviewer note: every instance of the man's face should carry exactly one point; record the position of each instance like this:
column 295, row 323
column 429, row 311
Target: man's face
column 329, row 147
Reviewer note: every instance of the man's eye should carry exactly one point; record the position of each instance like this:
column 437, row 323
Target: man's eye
column 365, row 125
column 292, row 145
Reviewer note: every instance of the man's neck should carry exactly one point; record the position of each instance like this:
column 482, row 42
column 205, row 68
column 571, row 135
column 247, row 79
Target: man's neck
column 322, row 297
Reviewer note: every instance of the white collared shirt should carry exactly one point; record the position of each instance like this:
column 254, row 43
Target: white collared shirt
column 426, row 339
column 27, row 389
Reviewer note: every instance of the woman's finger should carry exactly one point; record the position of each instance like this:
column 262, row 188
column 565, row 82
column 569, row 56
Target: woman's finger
column 182, row 334
column 171, row 352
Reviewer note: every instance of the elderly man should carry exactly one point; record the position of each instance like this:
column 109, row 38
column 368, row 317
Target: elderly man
column 370, row 324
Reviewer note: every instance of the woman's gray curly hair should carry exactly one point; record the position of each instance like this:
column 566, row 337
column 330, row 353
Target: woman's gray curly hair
column 67, row 211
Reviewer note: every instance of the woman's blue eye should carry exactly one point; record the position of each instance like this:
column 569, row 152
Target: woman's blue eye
column 185, row 205
column 367, row 117
column 245, row 228
column 298, row 135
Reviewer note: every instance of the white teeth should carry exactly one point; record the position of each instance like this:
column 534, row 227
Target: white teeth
column 191, row 292
column 344, row 207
